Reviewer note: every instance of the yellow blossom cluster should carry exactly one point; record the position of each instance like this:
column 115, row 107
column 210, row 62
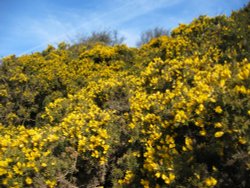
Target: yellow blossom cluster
column 27, row 154
column 172, row 113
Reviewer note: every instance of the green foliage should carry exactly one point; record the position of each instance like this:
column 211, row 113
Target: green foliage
column 172, row 113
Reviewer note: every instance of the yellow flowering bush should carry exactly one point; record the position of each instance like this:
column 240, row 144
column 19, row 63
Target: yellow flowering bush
column 29, row 157
column 172, row 113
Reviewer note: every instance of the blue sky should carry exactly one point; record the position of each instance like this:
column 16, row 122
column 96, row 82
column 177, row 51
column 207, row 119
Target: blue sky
column 30, row 25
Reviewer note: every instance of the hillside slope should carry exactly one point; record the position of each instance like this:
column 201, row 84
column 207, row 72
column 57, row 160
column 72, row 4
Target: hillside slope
column 172, row 113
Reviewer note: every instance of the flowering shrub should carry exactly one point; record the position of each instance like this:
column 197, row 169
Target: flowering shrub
column 173, row 113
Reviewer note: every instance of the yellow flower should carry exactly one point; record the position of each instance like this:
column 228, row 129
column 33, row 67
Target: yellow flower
column 158, row 174
column 203, row 133
column 218, row 125
column 164, row 176
column 218, row 109
column 218, row 134
column 184, row 148
column 95, row 154
column 3, row 164
column 5, row 181
column 43, row 164
column 120, row 181
column 17, row 170
column 166, row 179
column 210, row 181
column 50, row 183
column 129, row 175
column 242, row 140
column 171, row 176
column 103, row 160
column 180, row 116
column 145, row 183
column 189, row 142
column 28, row 180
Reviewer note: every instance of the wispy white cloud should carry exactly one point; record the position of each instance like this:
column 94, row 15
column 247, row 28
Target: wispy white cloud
column 52, row 29
column 64, row 24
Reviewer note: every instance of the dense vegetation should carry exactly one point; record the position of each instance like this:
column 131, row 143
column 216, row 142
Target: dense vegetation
column 173, row 113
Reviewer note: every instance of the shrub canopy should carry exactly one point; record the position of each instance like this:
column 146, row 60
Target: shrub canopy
column 173, row 113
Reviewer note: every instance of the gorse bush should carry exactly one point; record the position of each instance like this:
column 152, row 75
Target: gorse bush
column 173, row 113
